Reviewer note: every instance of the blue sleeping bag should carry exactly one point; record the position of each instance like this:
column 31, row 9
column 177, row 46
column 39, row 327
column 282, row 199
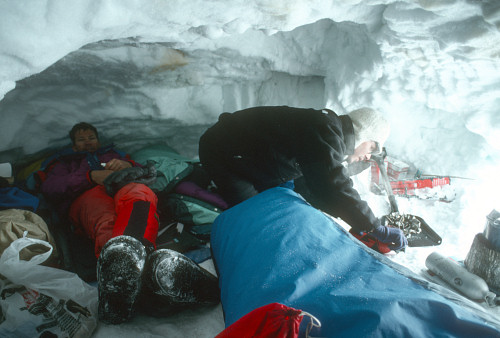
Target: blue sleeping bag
column 275, row 247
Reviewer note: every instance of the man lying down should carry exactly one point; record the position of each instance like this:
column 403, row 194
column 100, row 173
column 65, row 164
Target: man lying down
column 276, row 248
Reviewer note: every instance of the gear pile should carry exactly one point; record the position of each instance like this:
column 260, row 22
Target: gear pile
column 409, row 224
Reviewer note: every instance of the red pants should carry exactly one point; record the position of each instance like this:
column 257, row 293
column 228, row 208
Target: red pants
column 132, row 212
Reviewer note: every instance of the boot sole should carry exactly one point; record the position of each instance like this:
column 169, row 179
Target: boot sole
column 119, row 278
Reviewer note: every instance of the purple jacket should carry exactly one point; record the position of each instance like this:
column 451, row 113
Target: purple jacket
column 69, row 177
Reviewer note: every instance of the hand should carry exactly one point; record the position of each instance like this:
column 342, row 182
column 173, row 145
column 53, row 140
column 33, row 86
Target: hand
column 392, row 236
column 98, row 176
column 117, row 165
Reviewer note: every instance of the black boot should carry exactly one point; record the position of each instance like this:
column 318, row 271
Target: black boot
column 119, row 270
column 172, row 282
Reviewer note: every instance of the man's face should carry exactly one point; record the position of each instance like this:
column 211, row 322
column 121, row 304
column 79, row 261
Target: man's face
column 86, row 140
column 363, row 152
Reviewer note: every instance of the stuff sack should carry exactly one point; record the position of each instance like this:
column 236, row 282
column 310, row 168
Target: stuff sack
column 192, row 205
column 37, row 300
column 272, row 320
column 171, row 167
column 186, row 222
column 276, row 248
column 15, row 222
column 189, row 211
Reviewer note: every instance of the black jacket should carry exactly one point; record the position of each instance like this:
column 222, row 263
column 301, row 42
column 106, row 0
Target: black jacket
column 279, row 144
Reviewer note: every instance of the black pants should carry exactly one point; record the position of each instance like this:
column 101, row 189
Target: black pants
column 237, row 178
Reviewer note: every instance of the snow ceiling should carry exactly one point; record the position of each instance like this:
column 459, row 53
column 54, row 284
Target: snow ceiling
column 144, row 71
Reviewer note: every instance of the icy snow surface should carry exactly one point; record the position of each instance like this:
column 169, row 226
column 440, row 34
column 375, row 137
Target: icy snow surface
column 146, row 71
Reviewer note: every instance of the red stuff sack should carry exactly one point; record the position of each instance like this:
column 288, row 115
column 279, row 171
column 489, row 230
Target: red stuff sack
column 272, row 320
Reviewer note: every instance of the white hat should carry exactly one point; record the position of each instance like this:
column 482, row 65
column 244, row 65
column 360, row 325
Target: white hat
column 369, row 125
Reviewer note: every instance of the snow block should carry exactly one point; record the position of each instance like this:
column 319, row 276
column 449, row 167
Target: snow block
column 276, row 248
column 484, row 261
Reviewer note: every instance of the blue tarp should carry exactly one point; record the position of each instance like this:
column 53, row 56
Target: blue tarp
column 275, row 247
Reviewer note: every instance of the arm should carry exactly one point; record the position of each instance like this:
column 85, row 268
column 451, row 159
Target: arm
column 72, row 176
column 117, row 164
column 112, row 162
column 329, row 181
column 67, row 180
column 335, row 194
column 321, row 159
column 98, row 176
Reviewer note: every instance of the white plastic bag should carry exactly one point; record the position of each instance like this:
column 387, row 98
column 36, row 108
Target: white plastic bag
column 36, row 299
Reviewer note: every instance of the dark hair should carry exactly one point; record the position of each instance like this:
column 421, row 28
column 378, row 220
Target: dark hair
column 82, row 126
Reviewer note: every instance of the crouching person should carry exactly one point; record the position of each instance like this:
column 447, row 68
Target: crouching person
column 255, row 149
column 103, row 194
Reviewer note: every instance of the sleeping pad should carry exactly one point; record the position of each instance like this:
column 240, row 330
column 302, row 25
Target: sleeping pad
column 275, row 247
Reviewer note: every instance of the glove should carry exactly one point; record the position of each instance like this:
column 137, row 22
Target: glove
column 370, row 241
column 118, row 179
column 392, row 236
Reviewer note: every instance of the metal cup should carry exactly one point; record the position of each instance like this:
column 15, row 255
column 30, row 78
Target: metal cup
column 492, row 229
